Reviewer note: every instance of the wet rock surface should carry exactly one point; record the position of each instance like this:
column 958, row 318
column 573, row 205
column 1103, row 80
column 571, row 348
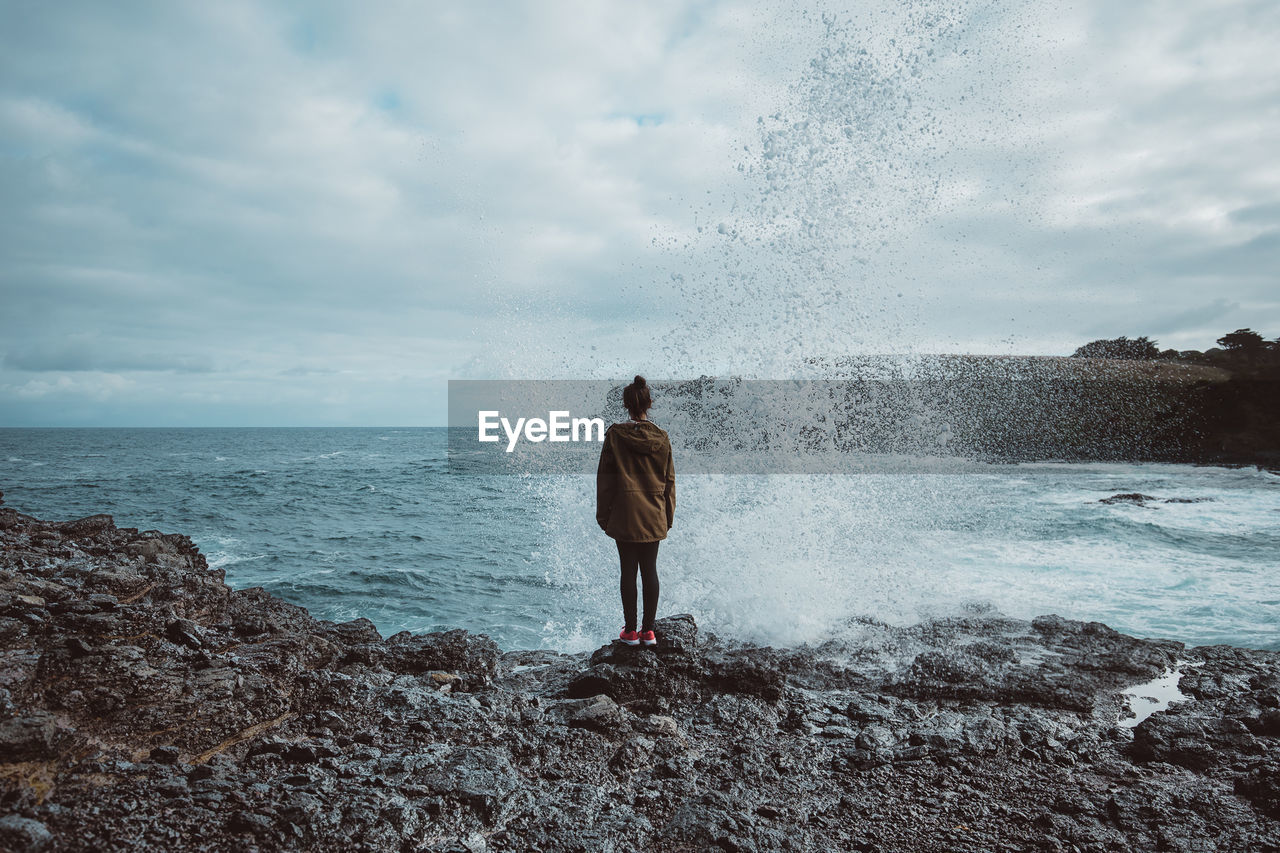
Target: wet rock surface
column 145, row 705
column 1139, row 499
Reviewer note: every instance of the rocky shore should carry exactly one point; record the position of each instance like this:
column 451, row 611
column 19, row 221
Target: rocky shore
column 145, row 705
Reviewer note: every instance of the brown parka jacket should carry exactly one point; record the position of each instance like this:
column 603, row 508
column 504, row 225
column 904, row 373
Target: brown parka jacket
column 636, row 483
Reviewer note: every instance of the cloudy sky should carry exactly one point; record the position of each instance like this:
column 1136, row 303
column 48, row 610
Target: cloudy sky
column 252, row 213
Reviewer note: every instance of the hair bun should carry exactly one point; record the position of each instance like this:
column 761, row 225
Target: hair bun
column 636, row 398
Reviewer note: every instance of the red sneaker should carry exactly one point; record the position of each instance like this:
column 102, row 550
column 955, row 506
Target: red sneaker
column 631, row 638
column 648, row 639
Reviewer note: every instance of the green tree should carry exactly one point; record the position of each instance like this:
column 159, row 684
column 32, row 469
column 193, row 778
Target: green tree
column 1246, row 342
column 1121, row 347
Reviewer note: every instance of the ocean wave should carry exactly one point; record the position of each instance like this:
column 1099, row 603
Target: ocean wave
column 779, row 560
column 220, row 560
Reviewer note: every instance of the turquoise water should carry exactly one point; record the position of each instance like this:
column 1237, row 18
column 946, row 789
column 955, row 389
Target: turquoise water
column 370, row 522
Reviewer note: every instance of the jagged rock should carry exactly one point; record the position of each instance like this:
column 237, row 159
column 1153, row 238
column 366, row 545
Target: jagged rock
column 24, row 835
column 1127, row 498
column 185, row 632
column 659, row 725
column 455, row 651
column 678, row 668
column 483, row 779
column 706, row 823
column 952, row 667
column 146, row 706
column 29, row 738
column 88, row 526
column 601, row 715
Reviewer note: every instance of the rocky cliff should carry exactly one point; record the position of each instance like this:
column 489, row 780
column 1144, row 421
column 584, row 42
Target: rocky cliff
column 145, row 705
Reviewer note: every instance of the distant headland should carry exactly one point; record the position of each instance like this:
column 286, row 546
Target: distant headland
column 1122, row 399
column 1233, row 410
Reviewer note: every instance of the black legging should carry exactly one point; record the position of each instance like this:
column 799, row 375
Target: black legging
column 642, row 555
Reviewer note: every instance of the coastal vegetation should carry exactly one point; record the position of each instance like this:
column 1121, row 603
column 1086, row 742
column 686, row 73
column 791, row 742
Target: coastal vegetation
column 1241, row 350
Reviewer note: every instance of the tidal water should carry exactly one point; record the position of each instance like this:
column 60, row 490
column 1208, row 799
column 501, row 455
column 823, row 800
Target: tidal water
column 372, row 523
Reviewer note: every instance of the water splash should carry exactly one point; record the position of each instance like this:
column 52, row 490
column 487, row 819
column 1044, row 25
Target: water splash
column 838, row 179
column 791, row 271
column 805, row 268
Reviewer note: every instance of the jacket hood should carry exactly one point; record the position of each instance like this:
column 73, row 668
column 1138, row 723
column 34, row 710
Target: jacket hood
column 640, row 436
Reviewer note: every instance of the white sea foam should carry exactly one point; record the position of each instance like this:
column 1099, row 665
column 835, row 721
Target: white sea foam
column 222, row 559
column 786, row 559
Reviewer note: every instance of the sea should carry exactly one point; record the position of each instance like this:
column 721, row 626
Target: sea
column 374, row 523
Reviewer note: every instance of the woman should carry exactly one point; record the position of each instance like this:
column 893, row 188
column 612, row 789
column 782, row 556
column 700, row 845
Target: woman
column 636, row 503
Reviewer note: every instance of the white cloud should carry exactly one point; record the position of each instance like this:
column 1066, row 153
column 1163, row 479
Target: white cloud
column 340, row 203
column 98, row 387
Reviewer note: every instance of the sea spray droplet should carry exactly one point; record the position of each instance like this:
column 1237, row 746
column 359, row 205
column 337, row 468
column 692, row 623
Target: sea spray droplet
column 843, row 169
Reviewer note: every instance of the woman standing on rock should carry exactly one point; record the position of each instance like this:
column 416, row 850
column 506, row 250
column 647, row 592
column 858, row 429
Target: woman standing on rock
column 636, row 504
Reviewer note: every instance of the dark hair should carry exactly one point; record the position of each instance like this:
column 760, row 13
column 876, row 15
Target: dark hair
column 636, row 397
